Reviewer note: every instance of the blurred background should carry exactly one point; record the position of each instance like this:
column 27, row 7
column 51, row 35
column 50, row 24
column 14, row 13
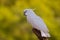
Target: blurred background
column 13, row 23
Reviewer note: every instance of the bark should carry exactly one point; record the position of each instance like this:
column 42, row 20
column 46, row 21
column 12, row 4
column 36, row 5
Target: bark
column 38, row 34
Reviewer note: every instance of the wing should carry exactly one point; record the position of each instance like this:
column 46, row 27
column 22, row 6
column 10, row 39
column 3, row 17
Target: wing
column 37, row 23
column 40, row 23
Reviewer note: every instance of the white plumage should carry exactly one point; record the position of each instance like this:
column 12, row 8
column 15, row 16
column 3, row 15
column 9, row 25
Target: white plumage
column 36, row 22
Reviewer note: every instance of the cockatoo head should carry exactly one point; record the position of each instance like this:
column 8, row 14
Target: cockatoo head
column 28, row 11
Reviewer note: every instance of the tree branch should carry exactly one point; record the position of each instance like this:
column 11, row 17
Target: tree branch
column 38, row 34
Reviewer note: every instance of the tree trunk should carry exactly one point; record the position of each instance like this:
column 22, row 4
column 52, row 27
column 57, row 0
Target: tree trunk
column 38, row 34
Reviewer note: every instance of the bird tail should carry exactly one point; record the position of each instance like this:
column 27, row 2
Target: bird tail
column 45, row 34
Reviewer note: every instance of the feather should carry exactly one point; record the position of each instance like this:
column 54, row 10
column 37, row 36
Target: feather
column 37, row 23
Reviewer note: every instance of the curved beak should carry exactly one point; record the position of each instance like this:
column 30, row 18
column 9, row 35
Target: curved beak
column 25, row 13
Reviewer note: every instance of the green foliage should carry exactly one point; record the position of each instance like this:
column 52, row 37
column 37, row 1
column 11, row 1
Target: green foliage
column 13, row 23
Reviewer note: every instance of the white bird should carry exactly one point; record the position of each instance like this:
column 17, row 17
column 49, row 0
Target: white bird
column 36, row 22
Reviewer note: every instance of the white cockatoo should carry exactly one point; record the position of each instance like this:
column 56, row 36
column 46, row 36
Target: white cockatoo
column 36, row 22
